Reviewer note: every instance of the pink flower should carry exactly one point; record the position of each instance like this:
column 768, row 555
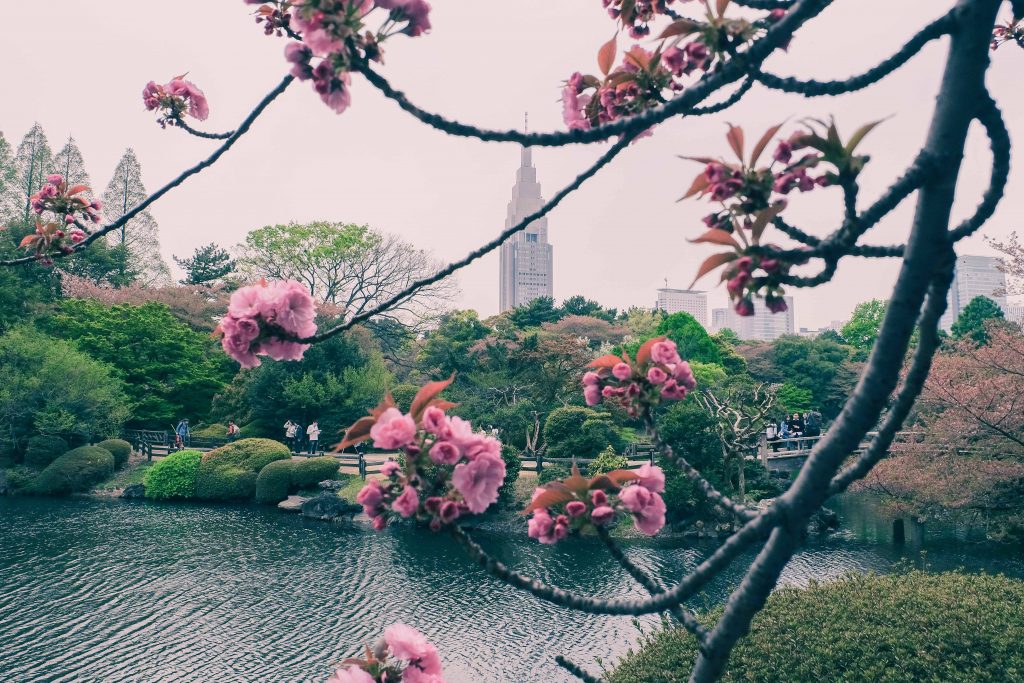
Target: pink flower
column 573, row 106
column 246, row 302
column 598, row 497
column 416, row 12
column 673, row 391
column 602, row 515
column 479, row 481
column 770, row 265
column 656, row 375
column 409, row 645
column 682, row 374
column 575, row 508
column 279, row 349
column 239, row 334
column 541, row 527
column 407, row 503
column 55, row 179
column 784, row 152
column 449, row 511
column 151, row 96
column 651, row 477
column 77, row 235
column 290, row 306
column 393, row 429
column 737, row 284
column 435, row 421
column 481, row 445
column 444, row 453
column 647, row 507
column 744, row 307
column 665, row 352
column 776, row 304
column 591, row 378
column 350, row 674
column 370, row 497
column 461, row 432
column 198, row 107
column 390, row 468
column 380, row 522
column 592, row 394
column 621, row 371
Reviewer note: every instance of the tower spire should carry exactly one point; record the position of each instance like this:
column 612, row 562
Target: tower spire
column 527, row 154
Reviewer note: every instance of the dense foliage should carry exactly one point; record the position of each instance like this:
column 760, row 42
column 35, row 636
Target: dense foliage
column 901, row 628
column 42, row 450
column 76, row 471
column 229, row 472
column 274, row 481
column 119, row 448
column 174, row 477
column 309, row 472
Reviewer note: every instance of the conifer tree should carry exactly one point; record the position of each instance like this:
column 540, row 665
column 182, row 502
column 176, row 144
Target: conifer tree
column 138, row 239
column 32, row 163
column 70, row 164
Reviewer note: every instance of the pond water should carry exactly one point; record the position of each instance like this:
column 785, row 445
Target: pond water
column 122, row 591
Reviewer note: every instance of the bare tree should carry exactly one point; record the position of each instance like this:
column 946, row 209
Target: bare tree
column 739, row 421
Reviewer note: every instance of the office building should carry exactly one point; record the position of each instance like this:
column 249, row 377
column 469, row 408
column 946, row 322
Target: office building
column 526, row 257
column 762, row 326
column 689, row 301
column 974, row 276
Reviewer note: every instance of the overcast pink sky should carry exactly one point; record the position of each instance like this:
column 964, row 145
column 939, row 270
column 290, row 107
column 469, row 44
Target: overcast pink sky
column 78, row 68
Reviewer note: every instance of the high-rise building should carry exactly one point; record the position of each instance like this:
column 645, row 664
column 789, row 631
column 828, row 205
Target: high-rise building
column 974, row 276
column 526, row 257
column 689, row 301
column 1014, row 313
column 762, row 326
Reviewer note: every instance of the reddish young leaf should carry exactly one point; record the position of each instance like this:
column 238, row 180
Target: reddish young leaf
column 716, row 236
column 77, row 188
column 576, row 482
column 699, row 185
column 606, row 55
column 28, row 240
column 608, row 361
column 722, row 5
column 700, row 160
column 441, row 403
column 762, row 143
column 427, row 394
column 712, row 262
column 643, row 354
column 763, row 217
column 620, row 477
column 855, row 139
column 555, row 493
column 358, row 432
column 682, row 27
column 735, row 138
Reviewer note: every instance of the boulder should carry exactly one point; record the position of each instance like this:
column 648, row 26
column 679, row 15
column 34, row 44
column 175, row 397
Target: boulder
column 331, row 485
column 823, row 521
column 292, row 503
column 330, row 507
column 134, row 491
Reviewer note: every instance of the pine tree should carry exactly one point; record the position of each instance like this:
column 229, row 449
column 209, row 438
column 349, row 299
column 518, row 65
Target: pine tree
column 70, row 164
column 138, row 239
column 208, row 264
column 32, row 163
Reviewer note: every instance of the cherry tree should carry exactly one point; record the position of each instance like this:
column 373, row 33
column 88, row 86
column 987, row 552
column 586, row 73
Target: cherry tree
column 703, row 58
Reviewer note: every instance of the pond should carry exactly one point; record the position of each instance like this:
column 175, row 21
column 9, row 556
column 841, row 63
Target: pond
column 115, row 591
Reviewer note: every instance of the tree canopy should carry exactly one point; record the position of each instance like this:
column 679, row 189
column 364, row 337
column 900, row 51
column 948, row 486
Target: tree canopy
column 971, row 321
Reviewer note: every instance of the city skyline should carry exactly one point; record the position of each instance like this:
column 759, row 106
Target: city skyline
column 526, row 259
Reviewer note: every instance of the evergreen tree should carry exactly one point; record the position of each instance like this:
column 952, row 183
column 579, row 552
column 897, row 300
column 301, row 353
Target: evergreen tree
column 8, row 191
column 139, row 237
column 70, row 164
column 208, row 264
column 32, row 163
column 971, row 322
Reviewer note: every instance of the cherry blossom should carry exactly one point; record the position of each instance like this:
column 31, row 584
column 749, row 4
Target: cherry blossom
column 265, row 319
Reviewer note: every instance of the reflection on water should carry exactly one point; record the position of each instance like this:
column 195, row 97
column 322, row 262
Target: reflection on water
column 142, row 592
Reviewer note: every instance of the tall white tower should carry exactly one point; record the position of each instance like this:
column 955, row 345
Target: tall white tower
column 526, row 257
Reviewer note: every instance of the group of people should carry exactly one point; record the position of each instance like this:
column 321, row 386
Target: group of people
column 781, row 435
column 293, row 435
column 183, row 434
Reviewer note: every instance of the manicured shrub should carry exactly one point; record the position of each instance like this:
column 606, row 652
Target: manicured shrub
column 513, row 463
column 211, row 431
column 553, row 471
column 174, row 476
column 77, row 470
column 309, row 472
column 606, row 461
column 572, row 431
column 41, row 450
column 900, row 628
column 258, row 429
column 274, row 481
column 120, row 449
column 19, row 478
column 229, row 472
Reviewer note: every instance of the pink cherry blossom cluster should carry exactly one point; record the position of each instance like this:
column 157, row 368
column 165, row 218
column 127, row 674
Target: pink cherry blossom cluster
column 450, row 470
column 334, row 35
column 656, row 374
column 175, row 99
column 636, row 15
column 401, row 654
column 570, row 505
column 48, row 237
column 742, row 284
column 68, row 203
column 265, row 319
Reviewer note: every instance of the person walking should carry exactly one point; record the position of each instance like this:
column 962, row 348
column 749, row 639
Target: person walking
column 232, row 431
column 291, row 431
column 771, row 435
column 812, row 423
column 183, row 434
column 313, row 432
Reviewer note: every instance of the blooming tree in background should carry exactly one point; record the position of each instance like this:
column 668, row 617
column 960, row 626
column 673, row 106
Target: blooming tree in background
column 691, row 59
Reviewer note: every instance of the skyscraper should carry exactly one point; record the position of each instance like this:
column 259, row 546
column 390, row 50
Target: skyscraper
column 690, row 301
column 762, row 326
column 974, row 276
column 526, row 257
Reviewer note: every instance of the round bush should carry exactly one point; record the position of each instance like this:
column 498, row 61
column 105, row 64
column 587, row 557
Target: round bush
column 77, row 470
column 900, row 628
column 211, row 431
column 513, row 464
column 174, row 476
column 120, row 449
column 42, row 450
column 553, row 471
column 563, row 432
column 309, row 472
column 274, row 481
column 229, row 472
column 257, row 429
column 606, row 461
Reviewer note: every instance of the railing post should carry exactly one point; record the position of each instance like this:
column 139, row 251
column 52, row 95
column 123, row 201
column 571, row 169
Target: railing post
column 362, row 466
column 540, row 464
column 762, row 449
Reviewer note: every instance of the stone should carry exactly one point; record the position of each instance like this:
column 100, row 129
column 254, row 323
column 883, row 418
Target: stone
column 292, row 503
column 134, row 491
column 823, row 521
column 331, row 484
column 329, row 507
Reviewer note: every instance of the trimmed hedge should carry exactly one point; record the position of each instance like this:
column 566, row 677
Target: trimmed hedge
column 211, row 431
column 119, row 448
column 257, row 429
column 77, row 470
column 275, row 481
column 42, row 450
column 899, row 628
column 229, row 472
column 174, row 476
column 309, row 472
